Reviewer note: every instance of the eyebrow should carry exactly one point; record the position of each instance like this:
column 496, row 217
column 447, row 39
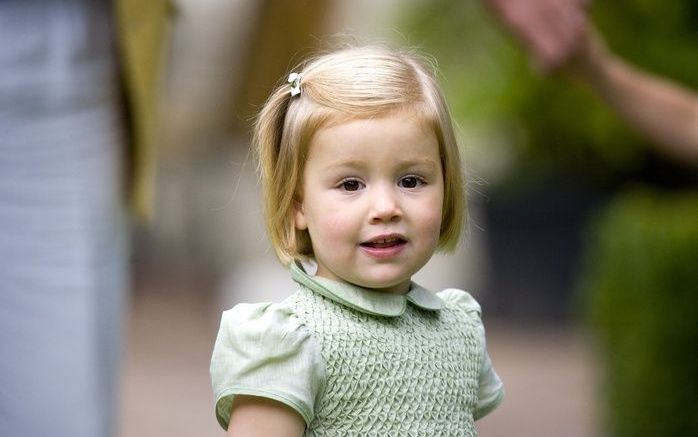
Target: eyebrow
column 352, row 163
column 428, row 162
column 401, row 163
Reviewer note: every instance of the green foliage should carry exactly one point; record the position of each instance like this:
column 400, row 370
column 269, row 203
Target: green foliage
column 661, row 37
column 643, row 283
column 555, row 127
column 476, row 61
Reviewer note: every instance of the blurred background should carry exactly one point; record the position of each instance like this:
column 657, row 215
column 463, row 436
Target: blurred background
column 581, row 242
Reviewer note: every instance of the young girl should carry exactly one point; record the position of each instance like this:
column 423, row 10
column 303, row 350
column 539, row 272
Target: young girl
column 361, row 174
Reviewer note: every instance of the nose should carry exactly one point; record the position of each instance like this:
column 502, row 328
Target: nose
column 385, row 205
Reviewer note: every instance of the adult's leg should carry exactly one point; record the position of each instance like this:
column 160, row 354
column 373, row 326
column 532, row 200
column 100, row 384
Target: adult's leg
column 62, row 219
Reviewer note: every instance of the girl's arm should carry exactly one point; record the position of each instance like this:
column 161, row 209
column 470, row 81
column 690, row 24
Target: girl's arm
column 254, row 416
column 666, row 112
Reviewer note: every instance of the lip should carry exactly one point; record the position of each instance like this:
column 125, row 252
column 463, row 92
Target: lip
column 384, row 246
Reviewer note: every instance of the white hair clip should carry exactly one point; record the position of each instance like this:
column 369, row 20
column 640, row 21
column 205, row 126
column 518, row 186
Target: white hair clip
column 295, row 80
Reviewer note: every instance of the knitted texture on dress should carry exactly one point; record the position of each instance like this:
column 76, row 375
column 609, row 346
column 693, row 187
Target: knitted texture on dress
column 412, row 375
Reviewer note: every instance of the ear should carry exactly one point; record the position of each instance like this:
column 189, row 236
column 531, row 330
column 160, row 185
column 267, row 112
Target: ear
column 299, row 216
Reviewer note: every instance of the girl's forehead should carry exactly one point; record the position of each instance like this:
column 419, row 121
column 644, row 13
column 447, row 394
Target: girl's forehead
column 394, row 137
column 405, row 122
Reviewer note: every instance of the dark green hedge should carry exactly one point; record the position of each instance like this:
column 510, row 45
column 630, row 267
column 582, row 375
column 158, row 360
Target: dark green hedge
column 643, row 287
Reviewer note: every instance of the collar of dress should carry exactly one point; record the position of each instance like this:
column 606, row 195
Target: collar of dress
column 365, row 300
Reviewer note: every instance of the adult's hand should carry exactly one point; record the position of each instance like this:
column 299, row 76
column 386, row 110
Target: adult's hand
column 550, row 30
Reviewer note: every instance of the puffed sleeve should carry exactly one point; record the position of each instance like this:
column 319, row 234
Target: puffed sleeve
column 491, row 388
column 264, row 350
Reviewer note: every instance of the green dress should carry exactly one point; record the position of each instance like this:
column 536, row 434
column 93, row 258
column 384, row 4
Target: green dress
column 355, row 362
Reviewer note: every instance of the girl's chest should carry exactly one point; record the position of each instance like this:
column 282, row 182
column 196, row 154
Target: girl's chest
column 416, row 374
column 420, row 356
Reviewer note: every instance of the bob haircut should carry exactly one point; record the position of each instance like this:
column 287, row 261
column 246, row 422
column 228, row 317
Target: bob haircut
column 351, row 83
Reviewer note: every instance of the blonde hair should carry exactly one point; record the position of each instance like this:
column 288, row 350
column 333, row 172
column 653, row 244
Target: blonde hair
column 357, row 82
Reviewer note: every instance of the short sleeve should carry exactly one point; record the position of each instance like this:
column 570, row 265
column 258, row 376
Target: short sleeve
column 264, row 350
column 491, row 388
column 491, row 391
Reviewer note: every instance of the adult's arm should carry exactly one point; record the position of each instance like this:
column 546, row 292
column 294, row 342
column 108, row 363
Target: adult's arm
column 558, row 36
column 664, row 111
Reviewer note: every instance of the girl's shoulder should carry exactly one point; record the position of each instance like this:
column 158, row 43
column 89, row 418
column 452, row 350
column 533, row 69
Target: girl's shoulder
column 257, row 318
column 263, row 349
column 460, row 299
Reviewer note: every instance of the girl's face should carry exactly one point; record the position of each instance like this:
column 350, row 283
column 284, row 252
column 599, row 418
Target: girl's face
column 372, row 199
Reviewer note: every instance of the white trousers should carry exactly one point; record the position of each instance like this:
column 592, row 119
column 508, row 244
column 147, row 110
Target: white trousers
column 62, row 220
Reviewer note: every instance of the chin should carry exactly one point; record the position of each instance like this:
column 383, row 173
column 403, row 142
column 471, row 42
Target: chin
column 383, row 283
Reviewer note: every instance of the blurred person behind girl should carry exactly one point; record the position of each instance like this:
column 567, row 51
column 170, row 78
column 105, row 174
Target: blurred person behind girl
column 63, row 210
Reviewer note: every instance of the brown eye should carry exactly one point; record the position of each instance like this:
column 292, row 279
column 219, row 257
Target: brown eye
column 410, row 182
column 351, row 185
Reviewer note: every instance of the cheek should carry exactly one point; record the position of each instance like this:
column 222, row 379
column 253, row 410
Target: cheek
column 431, row 216
column 331, row 226
column 432, row 223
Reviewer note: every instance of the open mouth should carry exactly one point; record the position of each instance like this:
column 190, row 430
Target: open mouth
column 384, row 243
